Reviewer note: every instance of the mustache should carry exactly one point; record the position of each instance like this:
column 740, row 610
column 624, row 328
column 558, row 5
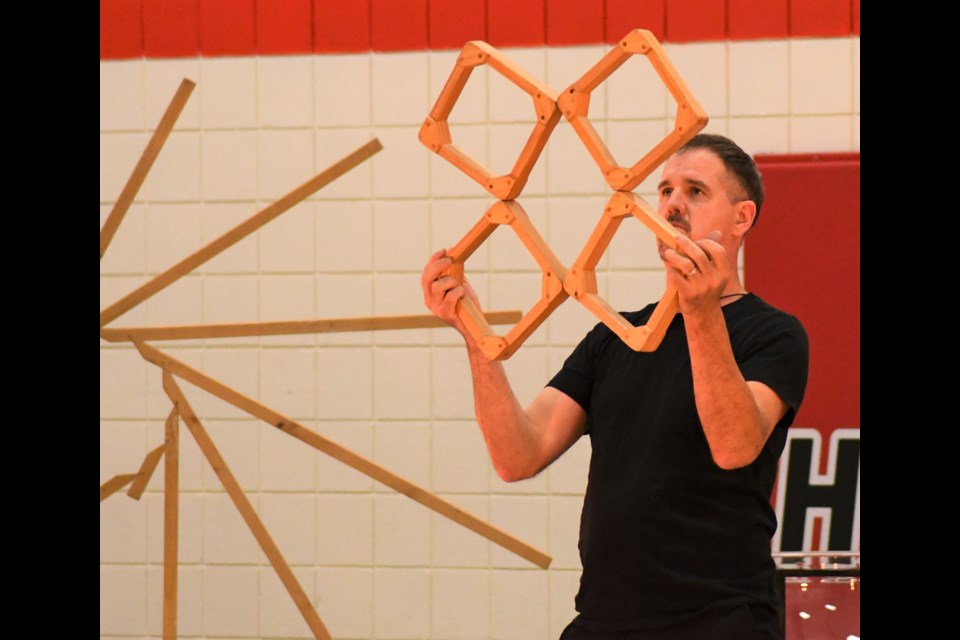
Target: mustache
column 676, row 218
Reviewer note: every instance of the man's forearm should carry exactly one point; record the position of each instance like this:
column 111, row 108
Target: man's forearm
column 508, row 431
column 732, row 421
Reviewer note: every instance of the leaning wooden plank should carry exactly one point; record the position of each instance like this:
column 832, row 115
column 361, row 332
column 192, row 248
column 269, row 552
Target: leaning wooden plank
column 146, row 470
column 238, row 233
column 290, row 327
column 243, row 505
column 171, row 519
column 135, row 181
column 114, row 484
column 344, row 455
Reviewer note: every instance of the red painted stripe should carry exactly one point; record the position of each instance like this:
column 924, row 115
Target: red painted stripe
column 809, row 265
column 623, row 16
column 454, row 23
column 341, row 25
column 696, row 20
column 821, row 18
column 284, row 26
column 121, row 29
column 516, row 23
column 186, row 28
column 574, row 22
column 752, row 19
column 170, row 28
column 399, row 25
column 226, row 27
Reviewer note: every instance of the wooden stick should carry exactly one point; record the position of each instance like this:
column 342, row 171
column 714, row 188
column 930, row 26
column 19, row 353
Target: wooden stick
column 241, row 231
column 328, row 325
column 344, row 455
column 147, row 158
column 114, row 484
column 171, row 525
column 246, row 510
column 146, row 470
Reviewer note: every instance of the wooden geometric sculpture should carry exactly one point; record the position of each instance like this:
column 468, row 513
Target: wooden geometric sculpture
column 575, row 104
column 435, row 132
column 173, row 369
column 552, row 293
column 580, row 282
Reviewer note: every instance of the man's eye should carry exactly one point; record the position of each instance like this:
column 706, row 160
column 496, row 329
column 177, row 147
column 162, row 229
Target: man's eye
column 665, row 193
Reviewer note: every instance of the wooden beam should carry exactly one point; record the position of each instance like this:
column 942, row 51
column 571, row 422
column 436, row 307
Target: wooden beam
column 114, row 484
column 147, row 158
column 146, row 470
column 238, row 233
column 290, row 327
column 344, row 455
column 171, row 524
column 246, row 509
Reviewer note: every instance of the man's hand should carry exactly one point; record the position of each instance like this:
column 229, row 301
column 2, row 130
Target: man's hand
column 698, row 270
column 442, row 292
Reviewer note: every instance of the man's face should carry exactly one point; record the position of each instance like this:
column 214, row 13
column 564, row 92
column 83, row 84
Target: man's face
column 695, row 197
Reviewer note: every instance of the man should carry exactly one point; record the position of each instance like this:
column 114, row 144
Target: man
column 676, row 524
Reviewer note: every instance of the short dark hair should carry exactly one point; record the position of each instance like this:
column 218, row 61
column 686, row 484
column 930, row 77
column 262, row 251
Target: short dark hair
column 737, row 161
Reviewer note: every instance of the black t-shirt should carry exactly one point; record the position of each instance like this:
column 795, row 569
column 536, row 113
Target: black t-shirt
column 665, row 533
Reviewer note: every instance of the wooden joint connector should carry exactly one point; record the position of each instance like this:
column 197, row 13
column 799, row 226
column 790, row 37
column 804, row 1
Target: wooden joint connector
column 434, row 135
column 472, row 55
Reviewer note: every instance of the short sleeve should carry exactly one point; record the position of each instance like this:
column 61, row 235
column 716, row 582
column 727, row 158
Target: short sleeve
column 578, row 373
column 778, row 356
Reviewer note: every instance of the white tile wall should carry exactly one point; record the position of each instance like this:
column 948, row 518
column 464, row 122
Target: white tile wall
column 703, row 67
column 345, row 601
column 519, row 604
column 401, row 603
column 175, row 176
column 401, row 532
column 453, row 544
column 400, row 82
column 241, row 445
column 821, row 133
column 633, row 91
column 229, row 98
column 162, row 78
column 121, row 95
column 472, row 104
column 335, row 476
column 344, row 529
column 122, row 602
column 231, row 602
column 461, row 604
column 342, row 91
column 227, row 538
column 285, row 161
column 290, row 520
column 404, row 449
column 285, row 91
column 820, row 76
column 279, row 616
column 287, row 464
column 376, row 563
column 229, row 165
column 759, row 77
column 119, row 154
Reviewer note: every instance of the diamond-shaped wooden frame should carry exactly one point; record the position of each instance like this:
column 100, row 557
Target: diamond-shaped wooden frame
column 581, row 280
column 575, row 103
column 509, row 213
column 435, row 131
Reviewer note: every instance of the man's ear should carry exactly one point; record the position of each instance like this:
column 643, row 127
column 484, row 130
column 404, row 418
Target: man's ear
column 745, row 215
